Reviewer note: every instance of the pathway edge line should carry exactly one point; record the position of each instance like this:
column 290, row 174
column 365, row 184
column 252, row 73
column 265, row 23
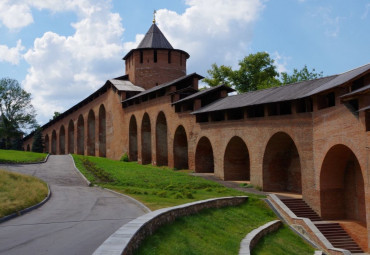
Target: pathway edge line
column 29, row 209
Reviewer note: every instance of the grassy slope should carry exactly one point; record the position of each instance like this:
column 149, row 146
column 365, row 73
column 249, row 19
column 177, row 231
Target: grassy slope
column 156, row 187
column 282, row 242
column 18, row 191
column 11, row 156
column 210, row 232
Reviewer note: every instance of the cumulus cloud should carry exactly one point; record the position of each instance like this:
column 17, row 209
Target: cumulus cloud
column 207, row 28
column 15, row 15
column 65, row 69
column 280, row 62
column 11, row 55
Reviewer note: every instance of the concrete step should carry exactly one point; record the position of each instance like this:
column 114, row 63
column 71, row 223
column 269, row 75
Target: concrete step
column 338, row 237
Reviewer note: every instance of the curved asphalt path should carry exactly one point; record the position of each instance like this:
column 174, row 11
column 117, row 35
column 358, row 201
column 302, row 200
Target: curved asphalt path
column 76, row 219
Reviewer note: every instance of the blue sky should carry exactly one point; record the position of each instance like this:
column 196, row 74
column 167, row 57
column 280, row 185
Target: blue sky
column 63, row 50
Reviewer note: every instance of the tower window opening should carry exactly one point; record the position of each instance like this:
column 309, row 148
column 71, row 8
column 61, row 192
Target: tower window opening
column 155, row 56
column 169, row 57
column 141, row 57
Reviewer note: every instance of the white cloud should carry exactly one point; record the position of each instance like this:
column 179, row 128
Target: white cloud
column 330, row 24
column 11, row 55
column 15, row 15
column 280, row 62
column 65, row 69
column 210, row 31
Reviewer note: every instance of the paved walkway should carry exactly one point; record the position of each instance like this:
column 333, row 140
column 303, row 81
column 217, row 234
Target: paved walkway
column 76, row 220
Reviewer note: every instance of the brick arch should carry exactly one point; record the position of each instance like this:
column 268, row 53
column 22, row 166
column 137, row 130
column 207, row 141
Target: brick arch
column 47, row 143
column 53, row 142
column 80, row 135
column 236, row 160
column 91, row 133
column 204, row 161
column 281, row 165
column 180, row 149
column 146, row 140
column 161, row 140
column 132, row 147
column 28, row 147
column 342, row 189
column 331, row 142
column 71, row 137
column 102, row 131
column 62, row 140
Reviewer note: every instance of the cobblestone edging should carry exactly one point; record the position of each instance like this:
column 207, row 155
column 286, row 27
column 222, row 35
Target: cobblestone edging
column 19, row 213
column 128, row 238
column 255, row 235
column 305, row 227
column 27, row 163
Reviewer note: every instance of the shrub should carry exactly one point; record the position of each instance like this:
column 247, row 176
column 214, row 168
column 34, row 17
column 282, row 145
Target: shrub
column 124, row 157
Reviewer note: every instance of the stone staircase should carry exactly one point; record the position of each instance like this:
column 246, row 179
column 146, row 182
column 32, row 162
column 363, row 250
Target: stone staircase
column 333, row 232
column 301, row 209
column 338, row 237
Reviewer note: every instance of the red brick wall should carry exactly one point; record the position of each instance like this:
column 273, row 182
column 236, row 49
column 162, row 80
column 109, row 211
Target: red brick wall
column 149, row 74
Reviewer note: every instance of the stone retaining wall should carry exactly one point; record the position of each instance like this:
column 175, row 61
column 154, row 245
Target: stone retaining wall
column 128, row 238
column 255, row 235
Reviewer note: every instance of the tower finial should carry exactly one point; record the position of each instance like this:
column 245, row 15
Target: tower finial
column 154, row 16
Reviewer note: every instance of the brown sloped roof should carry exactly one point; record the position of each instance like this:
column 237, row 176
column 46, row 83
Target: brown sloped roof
column 285, row 93
column 120, row 83
column 204, row 92
column 164, row 85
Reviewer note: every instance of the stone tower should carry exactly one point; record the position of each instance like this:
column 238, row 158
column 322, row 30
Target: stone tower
column 155, row 61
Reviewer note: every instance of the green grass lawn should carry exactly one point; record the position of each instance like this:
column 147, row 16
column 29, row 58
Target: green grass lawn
column 11, row 156
column 18, row 191
column 282, row 242
column 156, row 187
column 209, row 232
column 212, row 231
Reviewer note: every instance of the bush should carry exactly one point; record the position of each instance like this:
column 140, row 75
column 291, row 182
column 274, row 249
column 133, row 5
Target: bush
column 124, row 157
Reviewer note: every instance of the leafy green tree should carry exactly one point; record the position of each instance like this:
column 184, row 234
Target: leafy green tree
column 255, row 71
column 16, row 112
column 219, row 75
column 38, row 141
column 302, row 75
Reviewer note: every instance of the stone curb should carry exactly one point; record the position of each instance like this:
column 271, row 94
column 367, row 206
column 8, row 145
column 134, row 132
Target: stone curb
column 78, row 171
column 24, row 211
column 306, row 226
column 255, row 235
column 128, row 238
column 29, row 163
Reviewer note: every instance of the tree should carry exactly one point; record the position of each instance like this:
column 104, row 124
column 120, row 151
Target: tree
column 255, row 71
column 303, row 75
column 56, row 114
column 16, row 111
column 219, row 75
column 38, row 141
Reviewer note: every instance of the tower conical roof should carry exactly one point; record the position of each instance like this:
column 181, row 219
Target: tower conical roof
column 154, row 38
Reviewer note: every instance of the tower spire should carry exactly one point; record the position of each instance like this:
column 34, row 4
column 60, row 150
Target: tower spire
column 154, row 12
